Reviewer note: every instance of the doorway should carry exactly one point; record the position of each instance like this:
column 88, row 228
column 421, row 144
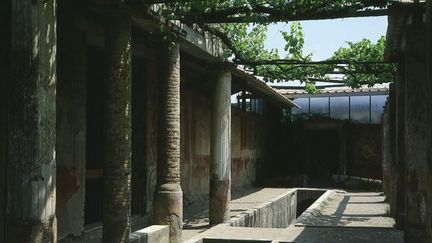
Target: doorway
column 324, row 153
column 94, row 137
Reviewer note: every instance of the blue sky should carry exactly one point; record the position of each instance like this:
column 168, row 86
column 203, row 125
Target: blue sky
column 323, row 37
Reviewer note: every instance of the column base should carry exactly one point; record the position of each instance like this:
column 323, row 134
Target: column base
column 37, row 232
column 168, row 209
column 219, row 204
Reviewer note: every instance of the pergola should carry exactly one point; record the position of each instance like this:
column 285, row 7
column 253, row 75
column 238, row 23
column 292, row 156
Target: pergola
column 284, row 11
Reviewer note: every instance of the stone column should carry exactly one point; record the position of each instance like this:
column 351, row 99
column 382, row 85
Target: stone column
column 31, row 174
column 416, row 123
column 392, row 149
column 168, row 200
column 71, row 122
column 388, row 150
column 117, row 129
column 400, row 147
column 385, row 165
column 220, row 151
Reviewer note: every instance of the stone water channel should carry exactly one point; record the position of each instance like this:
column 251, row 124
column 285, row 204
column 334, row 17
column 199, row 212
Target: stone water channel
column 291, row 215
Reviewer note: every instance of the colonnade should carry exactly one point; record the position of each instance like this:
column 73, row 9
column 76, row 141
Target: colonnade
column 31, row 134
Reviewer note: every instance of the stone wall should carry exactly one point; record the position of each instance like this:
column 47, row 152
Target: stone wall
column 154, row 233
column 195, row 145
column 429, row 73
column 280, row 212
column 416, row 131
column 248, row 146
column 277, row 213
column 249, row 142
column 71, row 124
column 4, row 61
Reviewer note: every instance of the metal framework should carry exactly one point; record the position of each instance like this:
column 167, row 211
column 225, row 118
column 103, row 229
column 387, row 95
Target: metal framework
column 329, row 96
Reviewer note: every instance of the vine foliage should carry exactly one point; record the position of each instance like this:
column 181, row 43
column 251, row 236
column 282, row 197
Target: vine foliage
column 243, row 26
column 260, row 11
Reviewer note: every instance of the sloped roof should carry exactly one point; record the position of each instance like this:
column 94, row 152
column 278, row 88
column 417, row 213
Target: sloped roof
column 255, row 85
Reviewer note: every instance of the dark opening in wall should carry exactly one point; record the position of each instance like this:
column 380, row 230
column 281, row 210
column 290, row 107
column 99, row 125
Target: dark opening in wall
column 139, row 118
column 324, row 152
column 364, row 151
column 94, row 150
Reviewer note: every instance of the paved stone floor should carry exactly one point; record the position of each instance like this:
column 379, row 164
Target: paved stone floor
column 306, row 235
column 344, row 217
column 349, row 217
column 362, row 209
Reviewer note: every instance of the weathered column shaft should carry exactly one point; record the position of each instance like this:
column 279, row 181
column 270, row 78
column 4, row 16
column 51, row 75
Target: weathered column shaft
column 385, row 129
column 168, row 201
column 117, row 129
column 392, row 150
column 71, row 122
column 220, row 152
column 400, row 147
column 31, row 175
column 388, row 150
column 417, row 92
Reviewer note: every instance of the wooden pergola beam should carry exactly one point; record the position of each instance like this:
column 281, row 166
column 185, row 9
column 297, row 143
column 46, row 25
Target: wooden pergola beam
column 215, row 18
column 302, row 88
column 300, row 62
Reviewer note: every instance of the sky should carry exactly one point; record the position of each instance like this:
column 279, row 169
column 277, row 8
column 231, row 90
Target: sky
column 324, row 37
